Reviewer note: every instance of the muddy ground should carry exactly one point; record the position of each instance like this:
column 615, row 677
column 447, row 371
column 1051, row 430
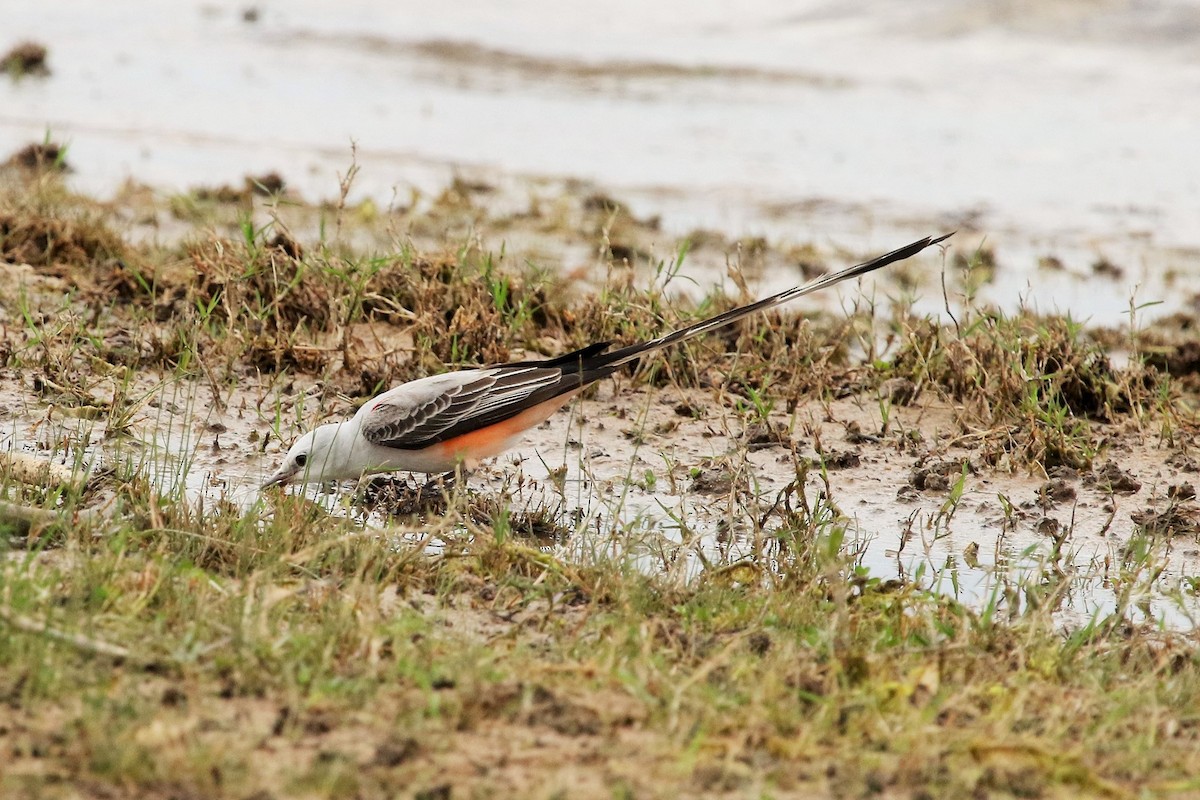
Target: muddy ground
column 171, row 346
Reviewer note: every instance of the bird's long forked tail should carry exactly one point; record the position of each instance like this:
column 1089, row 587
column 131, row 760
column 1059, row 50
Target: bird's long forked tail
column 624, row 355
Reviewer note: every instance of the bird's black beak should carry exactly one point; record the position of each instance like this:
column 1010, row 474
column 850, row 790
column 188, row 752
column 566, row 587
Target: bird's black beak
column 280, row 478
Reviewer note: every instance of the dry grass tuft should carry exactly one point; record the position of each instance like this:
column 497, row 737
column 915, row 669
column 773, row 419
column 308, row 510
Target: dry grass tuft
column 269, row 286
column 1027, row 385
column 66, row 243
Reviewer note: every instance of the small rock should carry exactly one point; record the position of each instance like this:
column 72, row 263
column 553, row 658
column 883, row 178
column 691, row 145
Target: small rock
column 1176, row 520
column 856, row 435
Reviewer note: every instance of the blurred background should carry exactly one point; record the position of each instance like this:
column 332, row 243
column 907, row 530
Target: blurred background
column 1063, row 134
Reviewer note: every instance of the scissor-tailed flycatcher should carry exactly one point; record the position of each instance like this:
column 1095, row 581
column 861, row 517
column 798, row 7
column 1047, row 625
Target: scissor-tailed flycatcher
column 435, row 424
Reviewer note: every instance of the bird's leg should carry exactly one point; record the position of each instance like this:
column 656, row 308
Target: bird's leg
column 459, row 476
column 436, row 483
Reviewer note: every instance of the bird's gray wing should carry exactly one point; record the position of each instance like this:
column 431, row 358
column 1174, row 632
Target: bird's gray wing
column 432, row 410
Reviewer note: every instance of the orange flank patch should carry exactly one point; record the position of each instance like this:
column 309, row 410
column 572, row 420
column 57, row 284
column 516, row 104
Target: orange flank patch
column 471, row 448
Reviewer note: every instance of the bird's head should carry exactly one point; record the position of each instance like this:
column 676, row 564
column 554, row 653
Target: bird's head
column 316, row 456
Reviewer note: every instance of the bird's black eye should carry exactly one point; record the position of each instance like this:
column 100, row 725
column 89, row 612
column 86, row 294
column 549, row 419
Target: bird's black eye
column 301, row 459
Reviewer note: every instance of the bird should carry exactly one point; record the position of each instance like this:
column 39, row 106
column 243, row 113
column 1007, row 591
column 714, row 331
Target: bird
column 453, row 420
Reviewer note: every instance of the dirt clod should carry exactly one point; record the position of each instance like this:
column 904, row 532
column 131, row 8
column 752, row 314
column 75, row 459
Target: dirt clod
column 26, row 58
column 1177, row 519
column 561, row 716
column 439, row 792
column 219, row 194
column 1063, row 472
column 1056, row 490
column 1181, row 491
column 761, row 435
column 856, row 435
column 1111, row 478
column 1048, row 526
column 901, row 391
column 267, row 184
column 1183, row 462
column 716, row 479
column 1107, row 269
column 398, row 497
column 40, row 157
column 938, row 476
column 840, row 459
column 394, row 751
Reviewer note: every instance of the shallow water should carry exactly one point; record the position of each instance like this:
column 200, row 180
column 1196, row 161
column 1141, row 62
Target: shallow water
column 624, row 485
column 893, row 534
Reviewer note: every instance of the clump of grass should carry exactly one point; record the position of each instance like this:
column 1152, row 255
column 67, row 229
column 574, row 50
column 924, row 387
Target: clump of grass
column 46, row 227
column 1170, row 346
column 1031, row 384
column 202, row 204
column 260, row 290
column 299, row 307
column 72, row 269
column 40, row 157
column 26, row 59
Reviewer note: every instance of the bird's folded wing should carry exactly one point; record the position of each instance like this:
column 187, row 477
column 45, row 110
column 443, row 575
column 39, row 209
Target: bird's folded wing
column 423, row 413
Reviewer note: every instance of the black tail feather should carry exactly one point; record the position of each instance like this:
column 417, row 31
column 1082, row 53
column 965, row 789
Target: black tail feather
column 605, row 363
column 566, row 360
